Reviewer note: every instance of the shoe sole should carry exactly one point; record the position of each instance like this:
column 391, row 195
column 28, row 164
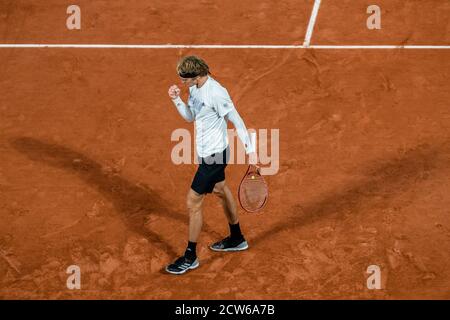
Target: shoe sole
column 194, row 266
column 243, row 246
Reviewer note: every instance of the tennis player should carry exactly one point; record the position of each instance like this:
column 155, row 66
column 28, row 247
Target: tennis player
column 210, row 106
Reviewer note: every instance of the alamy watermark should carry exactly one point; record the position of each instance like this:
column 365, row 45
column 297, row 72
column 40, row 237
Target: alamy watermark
column 183, row 152
column 74, row 278
column 73, row 22
column 374, row 20
column 374, row 280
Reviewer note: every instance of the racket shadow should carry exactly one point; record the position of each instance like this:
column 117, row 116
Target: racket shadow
column 389, row 178
column 134, row 202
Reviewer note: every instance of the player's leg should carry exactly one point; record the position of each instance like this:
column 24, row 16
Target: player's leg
column 229, row 205
column 202, row 184
column 236, row 241
column 194, row 205
column 189, row 260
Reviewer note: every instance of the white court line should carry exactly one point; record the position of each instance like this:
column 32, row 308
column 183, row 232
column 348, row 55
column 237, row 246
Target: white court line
column 377, row 47
column 214, row 46
column 151, row 46
column 312, row 22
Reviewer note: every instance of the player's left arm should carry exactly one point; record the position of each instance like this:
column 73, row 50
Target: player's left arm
column 226, row 109
column 241, row 129
column 243, row 135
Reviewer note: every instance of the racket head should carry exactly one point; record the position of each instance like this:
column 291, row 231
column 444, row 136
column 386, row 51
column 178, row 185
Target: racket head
column 253, row 191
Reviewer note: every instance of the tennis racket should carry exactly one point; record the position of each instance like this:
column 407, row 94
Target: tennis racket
column 253, row 191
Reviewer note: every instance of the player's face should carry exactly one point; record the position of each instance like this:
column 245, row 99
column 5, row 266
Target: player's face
column 189, row 81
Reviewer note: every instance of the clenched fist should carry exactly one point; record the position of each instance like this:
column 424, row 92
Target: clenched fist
column 174, row 92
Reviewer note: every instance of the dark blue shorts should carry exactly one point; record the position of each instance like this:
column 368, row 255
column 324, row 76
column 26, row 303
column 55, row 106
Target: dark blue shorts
column 211, row 170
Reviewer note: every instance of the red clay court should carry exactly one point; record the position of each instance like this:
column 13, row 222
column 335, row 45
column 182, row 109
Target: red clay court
column 86, row 176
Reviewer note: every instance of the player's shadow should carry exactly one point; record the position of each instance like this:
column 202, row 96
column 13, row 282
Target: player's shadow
column 384, row 180
column 134, row 203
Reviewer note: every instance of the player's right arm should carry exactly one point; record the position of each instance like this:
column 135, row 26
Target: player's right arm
column 174, row 94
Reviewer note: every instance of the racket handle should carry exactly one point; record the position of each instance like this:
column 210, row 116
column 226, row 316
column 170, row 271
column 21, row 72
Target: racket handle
column 253, row 168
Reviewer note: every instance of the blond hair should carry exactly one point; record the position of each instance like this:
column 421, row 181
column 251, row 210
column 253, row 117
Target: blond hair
column 192, row 65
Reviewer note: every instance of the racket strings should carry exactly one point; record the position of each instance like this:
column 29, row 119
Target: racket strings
column 253, row 193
